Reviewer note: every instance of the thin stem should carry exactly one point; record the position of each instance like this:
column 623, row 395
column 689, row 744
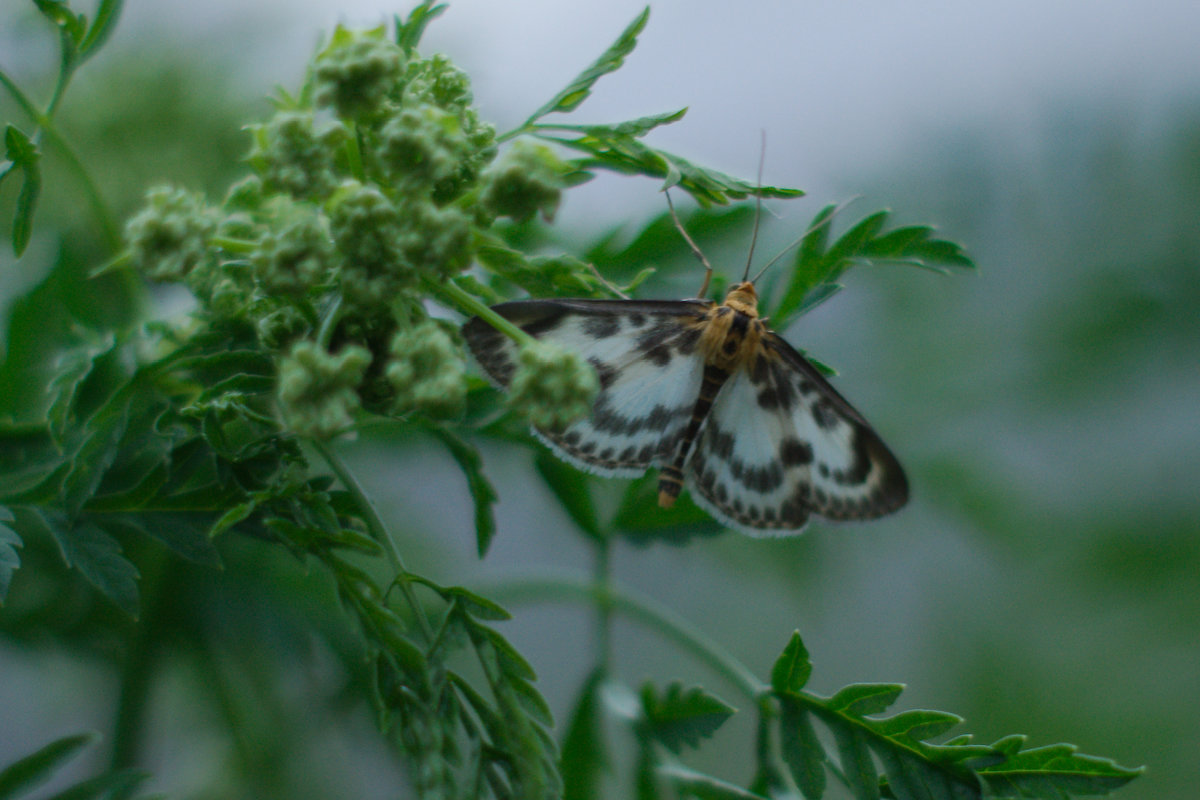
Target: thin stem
column 378, row 532
column 137, row 666
column 646, row 611
column 469, row 304
column 602, row 581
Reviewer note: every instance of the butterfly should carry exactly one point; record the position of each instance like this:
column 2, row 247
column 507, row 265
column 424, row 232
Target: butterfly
column 715, row 400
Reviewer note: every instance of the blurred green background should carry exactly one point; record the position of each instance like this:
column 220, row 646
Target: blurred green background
column 1045, row 578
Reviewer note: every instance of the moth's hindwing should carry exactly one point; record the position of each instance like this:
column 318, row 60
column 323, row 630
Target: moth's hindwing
column 645, row 357
column 780, row 443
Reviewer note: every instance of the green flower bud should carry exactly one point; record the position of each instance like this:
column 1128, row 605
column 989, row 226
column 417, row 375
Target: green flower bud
column 426, row 371
column 417, row 148
column 169, row 237
column 368, row 230
column 317, row 388
column 529, row 179
column 437, row 81
column 358, row 72
column 245, row 195
column 552, row 387
column 435, row 241
column 281, row 327
column 292, row 157
column 296, row 253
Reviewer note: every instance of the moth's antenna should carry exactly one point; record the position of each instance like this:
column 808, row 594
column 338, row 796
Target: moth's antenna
column 762, row 157
column 822, row 224
column 708, row 270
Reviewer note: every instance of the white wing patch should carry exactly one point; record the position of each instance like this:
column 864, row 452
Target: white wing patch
column 780, row 444
column 644, row 355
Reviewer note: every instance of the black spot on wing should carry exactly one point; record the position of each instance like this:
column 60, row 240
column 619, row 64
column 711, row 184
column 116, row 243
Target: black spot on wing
column 602, row 326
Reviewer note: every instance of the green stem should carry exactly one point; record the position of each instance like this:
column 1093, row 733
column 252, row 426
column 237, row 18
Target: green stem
column 354, row 154
column 604, row 589
column 104, row 219
column 646, row 611
column 469, row 304
column 332, row 316
column 378, row 532
column 137, row 666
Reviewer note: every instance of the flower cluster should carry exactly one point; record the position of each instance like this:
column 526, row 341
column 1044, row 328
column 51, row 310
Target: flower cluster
column 367, row 190
column 552, row 387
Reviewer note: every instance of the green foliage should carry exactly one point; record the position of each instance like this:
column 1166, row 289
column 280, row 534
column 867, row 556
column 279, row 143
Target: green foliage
column 164, row 446
column 18, row 778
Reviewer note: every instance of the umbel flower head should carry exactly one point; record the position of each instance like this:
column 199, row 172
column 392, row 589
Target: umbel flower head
column 552, row 386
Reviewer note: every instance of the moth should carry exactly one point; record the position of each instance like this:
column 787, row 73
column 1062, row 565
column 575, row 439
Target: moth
column 715, row 400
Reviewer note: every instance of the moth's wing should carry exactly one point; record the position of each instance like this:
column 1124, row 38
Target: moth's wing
column 780, row 444
column 645, row 357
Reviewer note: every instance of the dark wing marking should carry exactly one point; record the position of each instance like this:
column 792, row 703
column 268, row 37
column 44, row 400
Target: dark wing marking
column 645, row 356
column 781, row 444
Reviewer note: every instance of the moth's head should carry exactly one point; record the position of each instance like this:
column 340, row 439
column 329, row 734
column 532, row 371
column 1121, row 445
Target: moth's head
column 742, row 297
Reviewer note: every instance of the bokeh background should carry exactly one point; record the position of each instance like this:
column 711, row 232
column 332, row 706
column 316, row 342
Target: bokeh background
column 1045, row 578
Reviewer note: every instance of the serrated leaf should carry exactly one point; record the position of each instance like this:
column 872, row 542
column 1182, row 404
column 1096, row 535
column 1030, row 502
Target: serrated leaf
column 690, row 783
column 854, row 755
column 36, row 768
column 800, row 748
column 610, row 60
column 1055, row 770
column 483, row 495
column 860, row 699
column 72, row 369
column 792, row 669
column 584, row 754
column 819, row 264
column 573, row 491
column 184, row 532
column 9, row 560
column 682, row 716
column 98, row 557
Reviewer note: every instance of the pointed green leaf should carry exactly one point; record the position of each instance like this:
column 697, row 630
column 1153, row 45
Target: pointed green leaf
column 793, row 667
column 573, row 491
column 37, row 768
column 9, row 560
column 409, row 32
column 578, row 90
column 636, row 128
column 682, row 716
column 860, row 699
column 917, row 724
column 800, row 748
column 690, row 783
column 109, row 786
column 584, row 753
column 23, row 154
column 483, row 495
column 107, row 14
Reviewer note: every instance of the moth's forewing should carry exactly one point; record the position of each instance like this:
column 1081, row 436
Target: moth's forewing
column 644, row 356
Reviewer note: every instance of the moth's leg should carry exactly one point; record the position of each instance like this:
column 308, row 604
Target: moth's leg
column 708, row 270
